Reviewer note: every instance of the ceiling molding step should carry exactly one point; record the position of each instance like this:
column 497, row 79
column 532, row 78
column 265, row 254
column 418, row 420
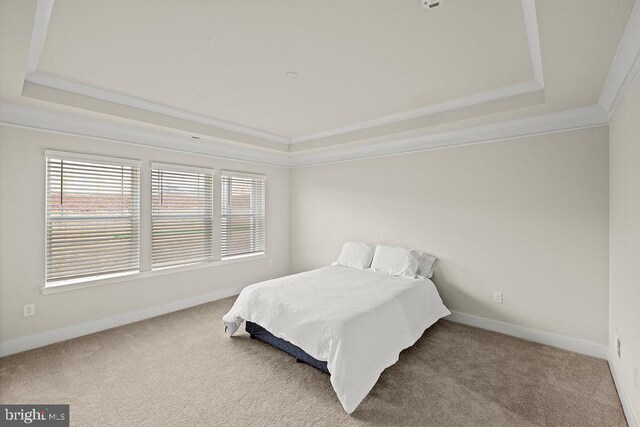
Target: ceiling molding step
column 33, row 76
column 533, row 37
column 626, row 65
column 578, row 118
column 64, row 85
column 169, row 125
column 535, row 53
column 452, row 105
column 39, row 33
column 70, row 124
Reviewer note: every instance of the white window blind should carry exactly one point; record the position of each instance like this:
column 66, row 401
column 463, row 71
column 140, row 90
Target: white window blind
column 92, row 217
column 243, row 214
column 182, row 215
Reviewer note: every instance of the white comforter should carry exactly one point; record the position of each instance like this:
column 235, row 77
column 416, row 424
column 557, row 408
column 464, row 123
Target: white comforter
column 358, row 321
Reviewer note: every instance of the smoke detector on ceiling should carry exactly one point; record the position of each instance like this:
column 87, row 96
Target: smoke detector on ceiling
column 430, row 4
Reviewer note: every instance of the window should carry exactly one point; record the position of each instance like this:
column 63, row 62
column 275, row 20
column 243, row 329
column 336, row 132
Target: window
column 181, row 215
column 92, row 217
column 242, row 220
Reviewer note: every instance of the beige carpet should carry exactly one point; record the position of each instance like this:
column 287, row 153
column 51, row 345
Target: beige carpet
column 180, row 369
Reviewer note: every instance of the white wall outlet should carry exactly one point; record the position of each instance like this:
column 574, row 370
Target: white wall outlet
column 497, row 297
column 636, row 378
column 29, row 310
column 271, row 262
column 430, row 4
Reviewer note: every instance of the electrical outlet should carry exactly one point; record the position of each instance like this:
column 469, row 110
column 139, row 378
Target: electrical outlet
column 271, row 262
column 497, row 297
column 29, row 310
column 636, row 378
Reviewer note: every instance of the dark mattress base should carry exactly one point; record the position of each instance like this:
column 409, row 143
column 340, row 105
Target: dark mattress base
column 257, row 331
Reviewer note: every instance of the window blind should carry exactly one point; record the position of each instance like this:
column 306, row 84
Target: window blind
column 182, row 215
column 243, row 214
column 92, row 216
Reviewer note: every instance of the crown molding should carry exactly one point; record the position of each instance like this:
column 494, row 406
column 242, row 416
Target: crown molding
column 625, row 67
column 452, row 105
column 41, row 23
column 39, row 33
column 72, row 124
column 567, row 120
column 623, row 72
column 533, row 38
column 65, row 85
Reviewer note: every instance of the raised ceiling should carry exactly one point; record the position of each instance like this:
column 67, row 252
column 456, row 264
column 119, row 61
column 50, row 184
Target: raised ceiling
column 356, row 60
column 369, row 72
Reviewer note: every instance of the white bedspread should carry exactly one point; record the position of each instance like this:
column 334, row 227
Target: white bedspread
column 358, row 321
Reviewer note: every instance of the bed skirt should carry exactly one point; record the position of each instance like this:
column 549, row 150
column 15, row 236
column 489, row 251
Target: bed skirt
column 257, row 331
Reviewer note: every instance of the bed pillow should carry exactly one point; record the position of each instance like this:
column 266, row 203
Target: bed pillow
column 356, row 255
column 395, row 261
column 426, row 263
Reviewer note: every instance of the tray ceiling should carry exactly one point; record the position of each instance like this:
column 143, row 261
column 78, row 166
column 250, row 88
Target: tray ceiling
column 373, row 78
column 228, row 60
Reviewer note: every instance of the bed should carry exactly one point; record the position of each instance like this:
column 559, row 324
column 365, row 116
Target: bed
column 352, row 322
column 256, row 331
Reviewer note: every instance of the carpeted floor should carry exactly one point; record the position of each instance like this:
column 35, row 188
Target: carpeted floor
column 181, row 369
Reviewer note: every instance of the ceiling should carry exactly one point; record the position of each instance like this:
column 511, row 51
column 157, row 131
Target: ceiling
column 228, row 59
column 368, row 71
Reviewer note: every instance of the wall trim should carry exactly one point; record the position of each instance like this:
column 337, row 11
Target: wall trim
column 62, row 334
column 447, row 106
column 560, row 121
column 72, row 124
column 69, row 86
column 39, row 33
column 559, row 341
column 533, row 38
column 626, row 406
column 625, row 67
column 41, row 23
column 57, row 335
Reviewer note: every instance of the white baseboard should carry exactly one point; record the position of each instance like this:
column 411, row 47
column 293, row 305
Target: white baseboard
column 62, row 334
column 626, row 407
column 535, row 335
column 39, row 340
column 567, row 343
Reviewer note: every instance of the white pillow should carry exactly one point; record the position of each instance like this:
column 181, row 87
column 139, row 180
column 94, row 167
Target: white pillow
column 356, row 255
column 425, row 264
column 395, row 261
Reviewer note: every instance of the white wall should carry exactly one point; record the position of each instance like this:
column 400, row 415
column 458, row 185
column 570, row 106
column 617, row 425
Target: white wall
column 528, row 217
column 625, row 243
column 22, row 210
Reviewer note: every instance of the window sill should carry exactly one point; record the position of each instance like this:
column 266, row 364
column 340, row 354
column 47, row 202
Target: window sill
column 126, row 277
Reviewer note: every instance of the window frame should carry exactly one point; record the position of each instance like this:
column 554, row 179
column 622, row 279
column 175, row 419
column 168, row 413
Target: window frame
column 99, row 159
column 144, row 229
column 240, row 174
column 171, row 167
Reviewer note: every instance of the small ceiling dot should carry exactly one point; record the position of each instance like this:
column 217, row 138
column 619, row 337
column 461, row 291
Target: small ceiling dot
column 292, row 75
